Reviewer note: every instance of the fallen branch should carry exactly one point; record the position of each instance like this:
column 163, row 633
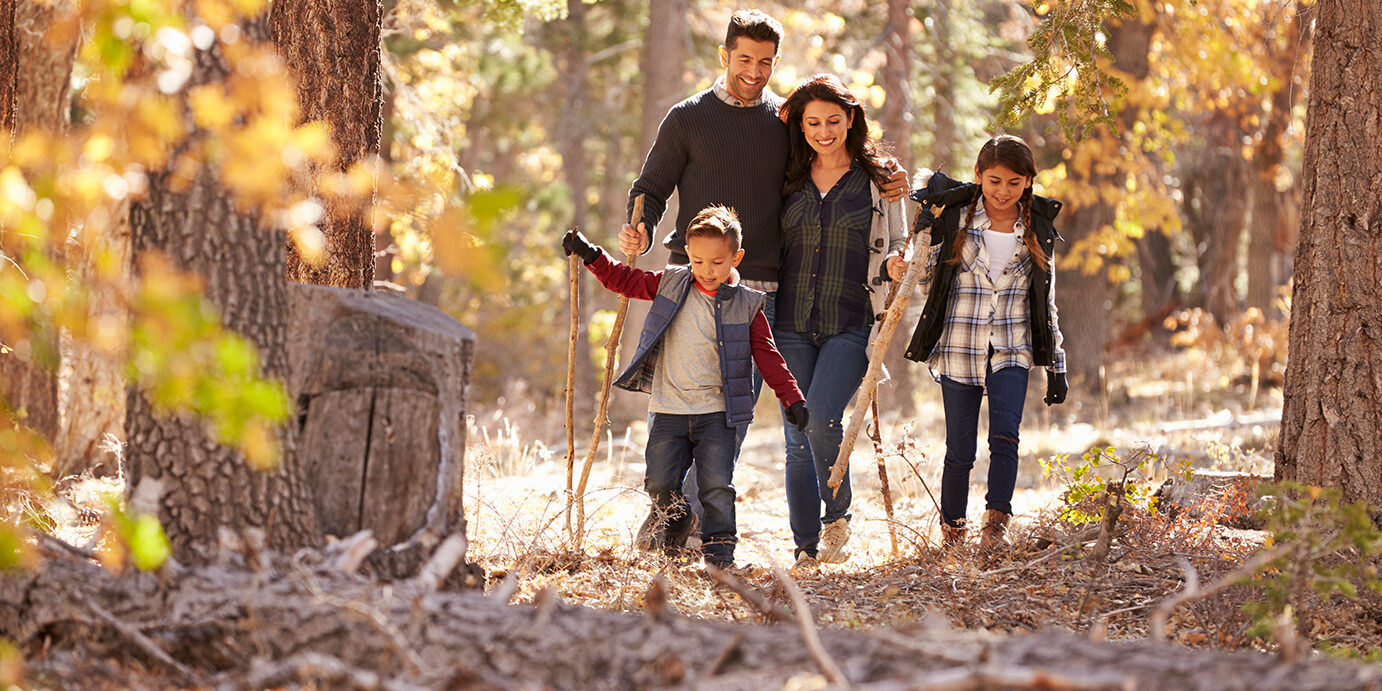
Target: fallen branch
column 139, row 640
column 1156, row 626
column 808, row 629
column 602, row 413
column 965, row 679
column 729, row 651
column 443, row 561
column 758, row 600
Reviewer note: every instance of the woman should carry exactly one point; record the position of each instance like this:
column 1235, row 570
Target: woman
column 841, row 244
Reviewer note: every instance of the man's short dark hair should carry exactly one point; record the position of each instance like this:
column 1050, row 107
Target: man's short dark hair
column 754, row 25
column 716, row 221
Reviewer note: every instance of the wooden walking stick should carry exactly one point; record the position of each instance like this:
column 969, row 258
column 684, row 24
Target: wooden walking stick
column 575, row 274
column 601, row 414
column 877, row 436
column 875, row 370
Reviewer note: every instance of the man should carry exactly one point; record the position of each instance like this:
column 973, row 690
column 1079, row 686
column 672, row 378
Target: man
column 726, row 146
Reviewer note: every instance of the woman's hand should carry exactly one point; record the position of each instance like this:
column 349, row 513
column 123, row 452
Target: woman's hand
column 897, row 268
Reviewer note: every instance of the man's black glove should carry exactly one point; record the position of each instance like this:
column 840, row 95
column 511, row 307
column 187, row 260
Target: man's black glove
column 1056, row 388
column 575, row 243
column 797, row 415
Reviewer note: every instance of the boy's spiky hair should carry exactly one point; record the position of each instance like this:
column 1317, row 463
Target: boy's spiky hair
column 716, row 221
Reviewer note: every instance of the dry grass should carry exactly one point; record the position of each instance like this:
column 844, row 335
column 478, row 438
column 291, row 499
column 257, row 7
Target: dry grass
column 517, row 530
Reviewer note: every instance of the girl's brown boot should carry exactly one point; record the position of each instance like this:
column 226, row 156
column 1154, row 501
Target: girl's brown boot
column 952, row 536
column 992, row 535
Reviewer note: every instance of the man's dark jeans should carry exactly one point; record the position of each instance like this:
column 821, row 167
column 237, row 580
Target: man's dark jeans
column 674, row 443
column 1007, row 391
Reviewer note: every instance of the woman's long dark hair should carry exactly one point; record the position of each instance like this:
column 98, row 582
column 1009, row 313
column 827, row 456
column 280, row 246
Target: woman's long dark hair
column 828, row 88
column 1014, row 154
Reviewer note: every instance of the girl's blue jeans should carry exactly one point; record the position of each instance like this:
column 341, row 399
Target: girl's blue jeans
column 1007, row 391
column 828, row 370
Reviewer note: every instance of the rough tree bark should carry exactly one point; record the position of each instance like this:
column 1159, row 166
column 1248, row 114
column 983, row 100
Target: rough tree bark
column 1331, row 423
column 572, row 130
column 663, row 64
column 40, row 42
column 205, row 485
column 332, row 49
column 899, row 393
column 9, row 56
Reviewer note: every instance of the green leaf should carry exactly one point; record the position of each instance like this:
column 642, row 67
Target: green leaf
column 149, row 547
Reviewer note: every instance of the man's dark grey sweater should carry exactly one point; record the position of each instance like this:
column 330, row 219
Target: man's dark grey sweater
column 716, row 153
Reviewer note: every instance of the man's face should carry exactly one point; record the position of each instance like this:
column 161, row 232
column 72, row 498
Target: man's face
column 712, row 259
column 748, row 67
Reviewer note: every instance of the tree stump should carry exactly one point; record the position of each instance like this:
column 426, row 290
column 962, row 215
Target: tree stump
column 381, row 383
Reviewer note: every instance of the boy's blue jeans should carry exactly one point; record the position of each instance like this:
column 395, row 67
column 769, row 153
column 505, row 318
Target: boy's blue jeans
column 674, row 443
column 828, row 369
column 690, row 490
column 1007, row 391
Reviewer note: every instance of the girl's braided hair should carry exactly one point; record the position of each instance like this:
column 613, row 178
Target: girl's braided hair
column 1013, row 153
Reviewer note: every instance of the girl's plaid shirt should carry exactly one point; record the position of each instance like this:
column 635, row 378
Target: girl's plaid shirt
column 984, row 315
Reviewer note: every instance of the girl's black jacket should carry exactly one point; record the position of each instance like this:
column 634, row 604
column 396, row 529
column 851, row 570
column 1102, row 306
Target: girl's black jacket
column 954, row 198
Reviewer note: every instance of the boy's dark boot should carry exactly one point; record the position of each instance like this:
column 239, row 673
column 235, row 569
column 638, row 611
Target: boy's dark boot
column 676, row 539
column 992, row 537
column 650, row 536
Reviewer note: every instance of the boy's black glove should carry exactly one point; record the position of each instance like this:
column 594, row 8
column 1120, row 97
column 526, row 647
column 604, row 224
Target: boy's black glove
column 575, row 243
column 1056, row 388
column 797, row 415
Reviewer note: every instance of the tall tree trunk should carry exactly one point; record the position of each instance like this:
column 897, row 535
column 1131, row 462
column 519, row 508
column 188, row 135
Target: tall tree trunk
column 898, row 394
column 42, row 43
column 204, row 485
column 1275, row 212
column 1083, row 298
column 1218, row 215
column 944, row 128
column 1331, row 424
column 332, row 49
column 572, row 130
column 9, row 63
column 663, row 64
column 1157, row 273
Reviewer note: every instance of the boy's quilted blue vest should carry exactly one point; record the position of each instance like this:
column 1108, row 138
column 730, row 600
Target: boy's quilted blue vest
column 735, row 308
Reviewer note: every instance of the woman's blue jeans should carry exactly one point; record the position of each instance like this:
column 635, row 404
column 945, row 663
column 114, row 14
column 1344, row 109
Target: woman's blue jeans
column 1007, row 391
column 828, row 370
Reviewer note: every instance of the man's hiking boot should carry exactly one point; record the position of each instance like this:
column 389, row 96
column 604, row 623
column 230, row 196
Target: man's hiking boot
column 992, row 536
column 834, row 537
column 806, row 565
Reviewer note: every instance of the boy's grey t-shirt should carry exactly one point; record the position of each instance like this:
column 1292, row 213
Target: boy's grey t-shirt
column 686, row 376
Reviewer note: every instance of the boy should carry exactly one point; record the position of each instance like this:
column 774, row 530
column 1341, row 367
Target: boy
column 695, row 356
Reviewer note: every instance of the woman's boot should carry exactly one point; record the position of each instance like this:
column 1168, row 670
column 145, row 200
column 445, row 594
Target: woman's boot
column 992, row 536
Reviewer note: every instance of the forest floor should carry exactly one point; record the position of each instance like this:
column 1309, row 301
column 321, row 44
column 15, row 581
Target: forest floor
column 516, row 498
column 897, row 579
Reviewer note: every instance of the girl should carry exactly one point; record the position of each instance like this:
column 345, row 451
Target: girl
column 838, row 237
column 990, row 316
